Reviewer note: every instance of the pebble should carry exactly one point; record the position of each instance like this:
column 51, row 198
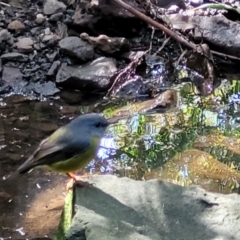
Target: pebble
column 40, row 19
column 25, row 45
column 56, row 17
column 16, row 25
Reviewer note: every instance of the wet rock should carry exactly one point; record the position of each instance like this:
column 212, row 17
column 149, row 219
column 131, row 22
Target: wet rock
column 5, row 36
column 104, row 7
column 14, row 56
column 50, row 38
column 71, row 97
column 94, row 75
column 40, row 19
column 25, row 45
column 197, row 167
column 76, row 47
column 107, row 44
column 161, row 103
column 196, row 2
column 169, row 3
column 121, row 208
column 16, row 25
column 45, row 89
column 207, row 28
column 53, row 6
column 56, row 17
column 11, row 75
column 53, row 70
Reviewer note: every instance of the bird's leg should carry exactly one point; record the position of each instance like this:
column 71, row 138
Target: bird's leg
column 77, row 180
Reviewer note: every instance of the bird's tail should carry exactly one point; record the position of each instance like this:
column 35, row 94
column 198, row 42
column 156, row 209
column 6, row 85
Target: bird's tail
column 10, row 176
column 24, row 168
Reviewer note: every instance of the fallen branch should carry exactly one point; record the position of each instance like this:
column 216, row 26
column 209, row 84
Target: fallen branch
column 155, row 24
column 5, row 4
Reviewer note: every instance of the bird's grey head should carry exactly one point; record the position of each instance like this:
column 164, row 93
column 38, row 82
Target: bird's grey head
column 92, row 123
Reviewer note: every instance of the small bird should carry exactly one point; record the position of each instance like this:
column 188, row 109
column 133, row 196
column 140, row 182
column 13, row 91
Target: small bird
column 70, row 147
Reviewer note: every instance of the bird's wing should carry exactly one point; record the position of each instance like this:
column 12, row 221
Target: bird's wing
column 45, row 148
column 50, row 152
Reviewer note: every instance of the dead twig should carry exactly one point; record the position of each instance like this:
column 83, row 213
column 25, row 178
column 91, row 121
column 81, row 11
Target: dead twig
column 155, row 24
column 5, row 4
column 169, row 32
column 225, row 55
column 163, row 45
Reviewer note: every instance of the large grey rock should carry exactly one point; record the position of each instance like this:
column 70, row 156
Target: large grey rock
column 216, row 30
column 76, row 47
column 53, row 6
column 121, row 208
column 94, row 75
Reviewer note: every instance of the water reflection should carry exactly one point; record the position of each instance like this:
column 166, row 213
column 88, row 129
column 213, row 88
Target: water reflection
column 147, row 143
column 197, row 143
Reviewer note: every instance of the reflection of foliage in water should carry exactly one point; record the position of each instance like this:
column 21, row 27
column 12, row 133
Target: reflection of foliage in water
column 145, row 142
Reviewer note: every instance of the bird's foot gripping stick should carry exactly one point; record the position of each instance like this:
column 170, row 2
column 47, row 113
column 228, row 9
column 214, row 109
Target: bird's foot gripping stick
column 77, row 180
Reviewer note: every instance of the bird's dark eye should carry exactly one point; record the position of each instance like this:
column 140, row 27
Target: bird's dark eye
column 98, row 124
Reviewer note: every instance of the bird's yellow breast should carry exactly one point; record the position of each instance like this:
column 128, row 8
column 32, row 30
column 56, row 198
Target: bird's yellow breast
column 78, row 161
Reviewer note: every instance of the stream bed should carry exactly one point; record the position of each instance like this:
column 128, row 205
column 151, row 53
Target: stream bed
column 194, row 143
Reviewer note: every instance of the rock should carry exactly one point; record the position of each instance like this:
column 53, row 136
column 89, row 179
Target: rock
column 5, row 36
column 107, row 44
column 53, row 70
column 165, row 100
column 25, row 45
column 45, row 89
column 121, row 208
column 50, row 37
column 53, row 6
column 94, row 75
column 16, row 3
column 16, row 25
column 14, row 57
column 40, row 19
column 196, row 2
column 11, row 75
column 56, row 17
column 90, row 14
column 76, row 47
column 207, row 29
column 169, row 3
column 71, row 97
column 62, row 30
column 51, row 56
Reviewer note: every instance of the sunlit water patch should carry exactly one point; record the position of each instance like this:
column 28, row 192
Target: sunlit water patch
column 153, row 146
